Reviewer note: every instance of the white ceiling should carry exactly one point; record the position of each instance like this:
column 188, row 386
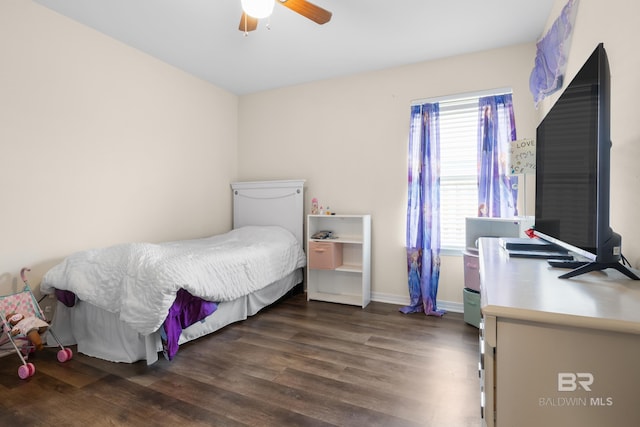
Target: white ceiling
column 202, row 36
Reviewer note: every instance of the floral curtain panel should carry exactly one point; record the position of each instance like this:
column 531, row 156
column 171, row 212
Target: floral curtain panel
column 423, row 210
column 497, row 195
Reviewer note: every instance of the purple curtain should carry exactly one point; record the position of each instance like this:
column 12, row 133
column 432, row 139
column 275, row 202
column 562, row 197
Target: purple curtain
column 497, row 195
column 423, row 210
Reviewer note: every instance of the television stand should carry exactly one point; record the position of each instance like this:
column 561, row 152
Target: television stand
column 597, row 266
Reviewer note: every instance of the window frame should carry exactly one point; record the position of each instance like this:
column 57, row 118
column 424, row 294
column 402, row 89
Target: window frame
column 452, row 105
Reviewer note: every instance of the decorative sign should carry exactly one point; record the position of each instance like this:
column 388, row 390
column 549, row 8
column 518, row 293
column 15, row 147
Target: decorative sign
column 522, row 159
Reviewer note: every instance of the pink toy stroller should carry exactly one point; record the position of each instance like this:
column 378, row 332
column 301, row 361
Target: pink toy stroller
column 24, row 302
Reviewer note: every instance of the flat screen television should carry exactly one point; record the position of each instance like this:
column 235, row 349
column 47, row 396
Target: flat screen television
column 573, row 147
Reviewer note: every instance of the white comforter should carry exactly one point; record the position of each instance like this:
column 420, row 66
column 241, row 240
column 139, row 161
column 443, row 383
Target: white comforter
column 139, row 281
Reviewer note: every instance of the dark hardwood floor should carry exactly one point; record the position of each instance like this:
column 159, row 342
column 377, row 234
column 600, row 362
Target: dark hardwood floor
column 296, row 363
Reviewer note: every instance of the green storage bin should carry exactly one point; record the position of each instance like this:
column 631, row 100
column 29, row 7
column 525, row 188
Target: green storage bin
column 471, row 300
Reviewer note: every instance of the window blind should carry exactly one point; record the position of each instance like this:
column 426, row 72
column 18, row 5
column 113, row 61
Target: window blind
column 458, row 169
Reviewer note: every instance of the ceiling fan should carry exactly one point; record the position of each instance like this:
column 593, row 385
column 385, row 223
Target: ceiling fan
column 250, row 17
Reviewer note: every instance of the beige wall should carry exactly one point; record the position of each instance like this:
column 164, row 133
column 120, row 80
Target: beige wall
column 614, row 23
column 101, row 144
column 348, row 138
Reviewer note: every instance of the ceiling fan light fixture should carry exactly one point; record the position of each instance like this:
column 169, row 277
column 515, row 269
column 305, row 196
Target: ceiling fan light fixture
column 258, row 9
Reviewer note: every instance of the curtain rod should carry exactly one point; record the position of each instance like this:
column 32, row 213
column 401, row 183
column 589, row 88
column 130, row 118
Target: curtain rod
column 477, row 94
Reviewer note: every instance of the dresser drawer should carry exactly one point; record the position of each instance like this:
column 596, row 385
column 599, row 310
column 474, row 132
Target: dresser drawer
column 324, row 255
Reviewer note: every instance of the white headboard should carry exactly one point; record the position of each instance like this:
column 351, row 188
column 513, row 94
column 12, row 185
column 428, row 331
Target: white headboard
column 270, row 203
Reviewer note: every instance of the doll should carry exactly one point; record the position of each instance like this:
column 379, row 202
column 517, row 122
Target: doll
column 31, row 327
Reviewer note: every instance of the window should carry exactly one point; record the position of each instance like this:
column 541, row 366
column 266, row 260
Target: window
column 458, row 165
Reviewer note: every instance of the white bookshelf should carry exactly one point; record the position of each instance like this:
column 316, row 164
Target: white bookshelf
column 349, row 282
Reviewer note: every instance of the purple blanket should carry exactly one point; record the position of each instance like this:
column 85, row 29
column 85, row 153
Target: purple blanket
column 184, row 312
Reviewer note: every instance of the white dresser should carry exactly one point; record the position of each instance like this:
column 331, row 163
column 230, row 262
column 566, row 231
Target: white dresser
column 557, row 352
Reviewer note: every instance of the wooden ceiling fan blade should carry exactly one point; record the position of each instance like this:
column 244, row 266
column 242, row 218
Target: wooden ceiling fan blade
column 308, row 10
column 247, row 23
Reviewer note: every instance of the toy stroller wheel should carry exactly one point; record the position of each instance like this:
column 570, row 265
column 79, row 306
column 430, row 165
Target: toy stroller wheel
column 32, row 369
column 23, row 372
column 63, row 356
column 69, row 353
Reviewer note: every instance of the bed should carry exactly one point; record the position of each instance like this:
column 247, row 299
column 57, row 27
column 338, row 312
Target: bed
column 110, row 320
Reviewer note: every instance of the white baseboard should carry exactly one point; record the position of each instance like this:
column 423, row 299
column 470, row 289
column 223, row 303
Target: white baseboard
column 451, row 306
